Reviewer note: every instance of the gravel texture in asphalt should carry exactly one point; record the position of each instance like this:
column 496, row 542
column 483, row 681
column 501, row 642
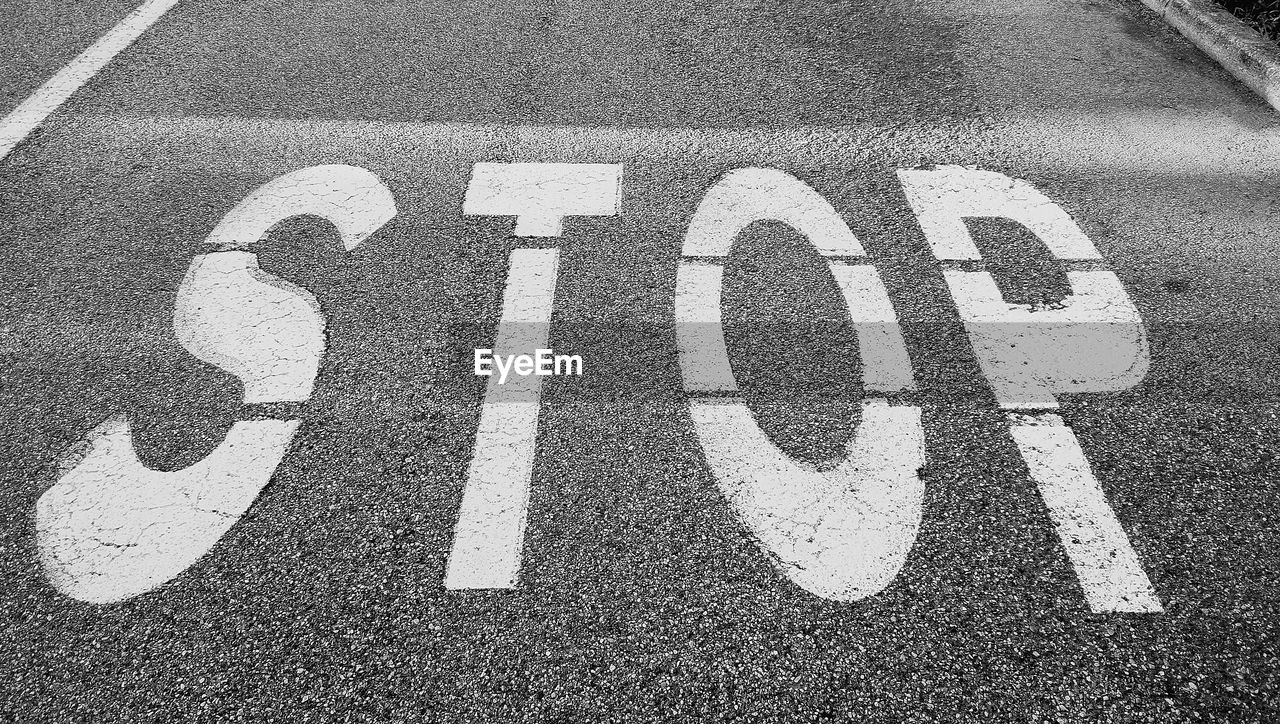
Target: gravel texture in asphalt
column 642, row 596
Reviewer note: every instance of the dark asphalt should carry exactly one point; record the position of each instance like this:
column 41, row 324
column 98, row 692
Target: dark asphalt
column 641, row 596
column 39, row 39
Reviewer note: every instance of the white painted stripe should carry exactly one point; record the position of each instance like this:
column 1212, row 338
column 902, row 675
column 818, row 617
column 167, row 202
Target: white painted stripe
column 1104, row 561
column 31, row 113
column 489, row 537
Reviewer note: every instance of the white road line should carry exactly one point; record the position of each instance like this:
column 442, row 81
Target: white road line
column 55, row 91
column 489, row 537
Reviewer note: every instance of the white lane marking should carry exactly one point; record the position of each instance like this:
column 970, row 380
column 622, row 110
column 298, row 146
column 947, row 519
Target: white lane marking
column 109, row 528
column 841, row 531
column 489, row 536
column 1104, row 560
column 746, row 195
column 1095, row 342
column 941, row 198
column 540, row 195
column 24, row 119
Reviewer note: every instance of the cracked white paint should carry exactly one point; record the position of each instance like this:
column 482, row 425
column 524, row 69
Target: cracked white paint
column 1093, row 341
column 841, row 533
column 540, row 195
column 260, row 328
column 353, row 199
column 841, row 530
column 941, row 199
column 747, row 195
column 1105, row 562
column 110, row 528
column 489, row 536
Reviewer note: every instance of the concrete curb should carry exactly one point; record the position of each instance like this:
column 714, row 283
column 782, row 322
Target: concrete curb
column 1240, row 49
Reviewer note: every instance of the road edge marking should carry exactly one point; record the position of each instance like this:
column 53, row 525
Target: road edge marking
column 28, row 115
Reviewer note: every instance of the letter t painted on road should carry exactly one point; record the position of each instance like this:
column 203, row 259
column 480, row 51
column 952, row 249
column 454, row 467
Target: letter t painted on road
column 489, row 537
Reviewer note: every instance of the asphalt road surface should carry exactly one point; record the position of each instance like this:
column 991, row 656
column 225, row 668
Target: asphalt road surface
column 392, row 537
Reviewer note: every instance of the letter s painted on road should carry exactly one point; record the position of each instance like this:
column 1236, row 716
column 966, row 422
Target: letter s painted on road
column 110, row 528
